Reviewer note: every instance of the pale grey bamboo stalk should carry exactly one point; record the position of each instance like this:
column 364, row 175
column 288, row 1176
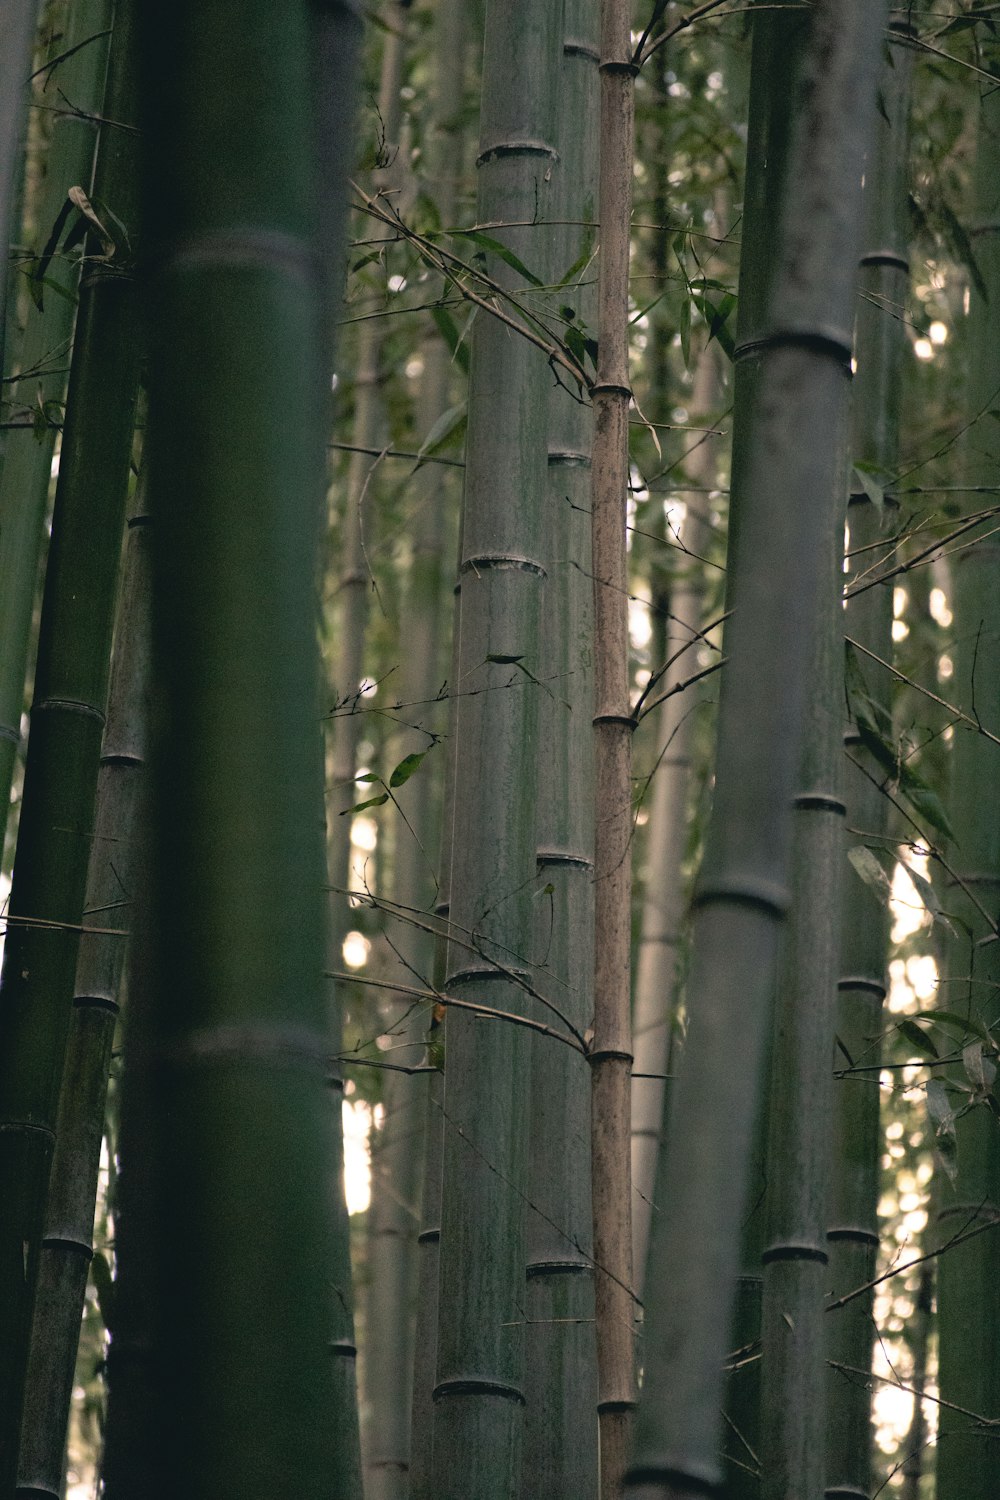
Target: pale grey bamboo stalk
column 742, row 893
column 611, row 1050
column 882, row 345
column 67, row 1245
column 561, row 1375
column 479, row 1396
column 664, row 897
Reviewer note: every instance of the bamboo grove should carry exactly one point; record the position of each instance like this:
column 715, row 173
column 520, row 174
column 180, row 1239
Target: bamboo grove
column 499, row 733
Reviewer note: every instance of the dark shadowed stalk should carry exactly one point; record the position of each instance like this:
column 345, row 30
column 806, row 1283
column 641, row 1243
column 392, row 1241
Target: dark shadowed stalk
column 881, row 345
column 742, row 896
column 560, row 1454
column 479, row 1396
column 67, row 720
column 611, row 1050
column 15, row 65
column 445, row 156
column 67, row 1244
column 230, row 1060
column 42, row 361
column 968, row 1287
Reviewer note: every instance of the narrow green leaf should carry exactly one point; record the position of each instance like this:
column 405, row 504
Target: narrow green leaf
column 917, row 1038
column 446, row 427
column 870, row 869
column 371, row 802
column 406, row 767
column 942, row 1119
column 449, row 331
column 516, row 264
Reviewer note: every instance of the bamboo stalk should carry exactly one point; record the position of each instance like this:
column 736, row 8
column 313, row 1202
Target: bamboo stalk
column 15, row 65
column 41, row 376
column 742, row 896
column 561, row 1374
column 67, row 1245
column 611, row 1049
column 71, row 681
column 229, row 1062
column 968, row 1288
column 881, row 346
column 479, row 1397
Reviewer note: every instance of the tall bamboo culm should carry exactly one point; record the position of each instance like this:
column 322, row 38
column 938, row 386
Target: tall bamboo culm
column 229, row 1062
column 664, row 895
column 742, row 895
column 67, row 720
column 67, row 1244
column 881, row 347
column 41, row 375
column 15, row 65
column 561, row 1385
column 479, row 1397
column 968, row 1289
column 450, row 52
column 779, row 35
column 611, row 1049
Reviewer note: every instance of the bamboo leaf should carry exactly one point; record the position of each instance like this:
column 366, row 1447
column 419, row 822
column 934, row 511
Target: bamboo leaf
column 942, row 1119
column 497, row 248
column 979, row 1069
column 870, row 869
column 370, row 802
column 406, row 767
column 446, row 427
column 917, row 1038
column 449, row 331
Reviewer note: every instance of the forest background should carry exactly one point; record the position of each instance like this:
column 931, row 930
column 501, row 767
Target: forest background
column 427, row 270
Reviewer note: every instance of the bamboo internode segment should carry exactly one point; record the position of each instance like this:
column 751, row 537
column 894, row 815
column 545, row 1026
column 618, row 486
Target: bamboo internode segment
column 613, row 724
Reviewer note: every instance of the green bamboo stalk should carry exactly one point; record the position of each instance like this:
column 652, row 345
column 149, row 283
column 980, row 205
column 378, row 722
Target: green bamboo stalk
column 67, row 1245
column 801, row 387
column 793, row 1326
column 15, row 65
column 231, row 1062
column 968, row 1460
column 445, row 152
column 560, row 1456
column 398, row 1151
column 71, row 681
column 42, row 361
column 881, row 345
column 779, row 36
column 611, row 1049
column 479, row 1396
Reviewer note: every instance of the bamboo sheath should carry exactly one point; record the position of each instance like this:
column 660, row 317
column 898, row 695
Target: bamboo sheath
column 742, row 893
column 968, row 1462
column 479, row 1396
column 110, row 904
column 881, row 345
column 611, row 1049
column 67, row 719
column 42, row 359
